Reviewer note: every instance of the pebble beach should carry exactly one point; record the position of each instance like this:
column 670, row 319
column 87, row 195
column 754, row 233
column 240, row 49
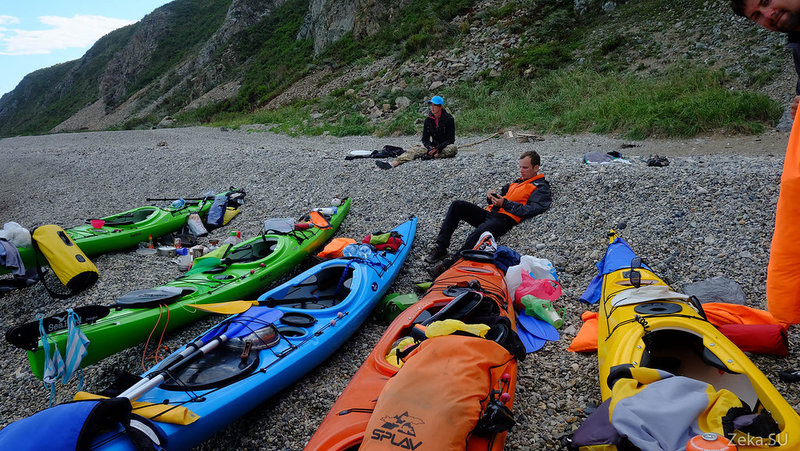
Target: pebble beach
column 709, row 213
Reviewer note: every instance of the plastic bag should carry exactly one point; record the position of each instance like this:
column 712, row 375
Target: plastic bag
column 196, row 225
column 364, row 251
column 538, row 268
column 548, row 289
column 716, row 289
column 16, row 234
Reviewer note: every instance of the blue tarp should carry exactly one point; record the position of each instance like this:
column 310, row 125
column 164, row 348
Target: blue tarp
column 618, row 256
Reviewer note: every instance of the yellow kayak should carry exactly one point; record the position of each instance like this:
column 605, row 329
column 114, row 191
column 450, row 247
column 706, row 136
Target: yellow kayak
column 648, row 332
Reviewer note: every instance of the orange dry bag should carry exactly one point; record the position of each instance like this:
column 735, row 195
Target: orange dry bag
column 437, row 398
column 783, row 277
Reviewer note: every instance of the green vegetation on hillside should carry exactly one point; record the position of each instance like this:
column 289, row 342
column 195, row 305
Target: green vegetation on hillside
column 543, row 88
column 682, row 102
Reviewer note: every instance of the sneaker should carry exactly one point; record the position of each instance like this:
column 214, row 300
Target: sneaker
column 436, row 254
column 437, row 269
column 487, row 242
column 383, row 164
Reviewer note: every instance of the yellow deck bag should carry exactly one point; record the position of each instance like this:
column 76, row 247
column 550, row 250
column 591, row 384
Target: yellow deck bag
column 65, row 258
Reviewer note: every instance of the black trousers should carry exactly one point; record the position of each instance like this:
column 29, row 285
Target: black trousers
column 480, row 218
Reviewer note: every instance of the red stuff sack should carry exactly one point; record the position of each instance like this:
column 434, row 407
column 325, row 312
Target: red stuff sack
column 758, row 338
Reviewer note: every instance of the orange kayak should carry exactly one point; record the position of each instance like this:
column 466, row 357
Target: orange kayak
column 364, row 415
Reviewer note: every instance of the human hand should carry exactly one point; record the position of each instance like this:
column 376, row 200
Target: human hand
column 495, row 199
column 432, row 151
column 795, row 102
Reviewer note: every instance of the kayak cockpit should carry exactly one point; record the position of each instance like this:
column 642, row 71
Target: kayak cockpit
column 254, row 251
column 683, row 353
column 131, row 217
column 324, row 289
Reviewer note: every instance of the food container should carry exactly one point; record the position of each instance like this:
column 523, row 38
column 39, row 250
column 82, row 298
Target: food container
column 166, row 251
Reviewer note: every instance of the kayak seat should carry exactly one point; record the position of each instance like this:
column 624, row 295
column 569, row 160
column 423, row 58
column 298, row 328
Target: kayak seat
column 251, row 252
column 328, row 290
column 129, row 218
column 458, row 308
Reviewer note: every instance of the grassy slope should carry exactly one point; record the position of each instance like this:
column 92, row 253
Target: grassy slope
column 606, row 73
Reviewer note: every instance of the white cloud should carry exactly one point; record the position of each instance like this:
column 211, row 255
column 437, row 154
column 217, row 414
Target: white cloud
column 5, row 20
column 65, row 32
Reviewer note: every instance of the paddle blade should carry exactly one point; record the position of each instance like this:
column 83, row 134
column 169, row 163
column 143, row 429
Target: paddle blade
column 538, row 328
column 240, row 325
column 225, row 308
column 532, row 343
column 165, row 413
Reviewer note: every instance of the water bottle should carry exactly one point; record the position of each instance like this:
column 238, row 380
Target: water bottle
column 234, row 239
column 328, row 211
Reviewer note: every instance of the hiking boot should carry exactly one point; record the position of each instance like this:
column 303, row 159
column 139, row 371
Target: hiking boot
column 437, row 269
column 383, row 164
column 437, row 253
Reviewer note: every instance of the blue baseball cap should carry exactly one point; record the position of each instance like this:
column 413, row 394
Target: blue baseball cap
column 436, row 100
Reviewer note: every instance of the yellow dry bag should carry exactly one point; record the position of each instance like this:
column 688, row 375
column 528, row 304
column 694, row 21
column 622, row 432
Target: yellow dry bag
column 65, row 258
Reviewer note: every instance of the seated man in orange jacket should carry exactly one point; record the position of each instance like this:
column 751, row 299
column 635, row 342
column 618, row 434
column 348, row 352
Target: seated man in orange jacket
column 526, row 197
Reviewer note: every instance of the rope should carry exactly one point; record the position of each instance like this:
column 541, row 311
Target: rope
column 479, row 141
column 156, row 357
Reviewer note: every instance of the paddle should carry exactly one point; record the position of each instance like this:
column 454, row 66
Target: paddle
column 231, row 328
column 226, row 308
column 234, row 307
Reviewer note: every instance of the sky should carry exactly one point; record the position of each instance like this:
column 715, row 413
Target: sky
column 35, row 34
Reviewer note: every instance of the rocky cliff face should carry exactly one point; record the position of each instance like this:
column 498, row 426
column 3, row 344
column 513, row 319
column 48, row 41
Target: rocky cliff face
column 328, row 20
column 208, row 68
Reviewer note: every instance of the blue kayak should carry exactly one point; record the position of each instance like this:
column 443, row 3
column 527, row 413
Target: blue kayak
column 251, row 356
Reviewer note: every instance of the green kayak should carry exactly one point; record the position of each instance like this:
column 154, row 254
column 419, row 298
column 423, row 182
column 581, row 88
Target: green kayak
column 238, row 272
column 129, row 228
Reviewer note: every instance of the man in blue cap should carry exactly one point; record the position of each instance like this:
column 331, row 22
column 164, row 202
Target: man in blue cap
column 438, row 136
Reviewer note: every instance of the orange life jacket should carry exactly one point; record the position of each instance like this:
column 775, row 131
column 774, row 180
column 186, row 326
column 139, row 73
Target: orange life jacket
column 517, row 192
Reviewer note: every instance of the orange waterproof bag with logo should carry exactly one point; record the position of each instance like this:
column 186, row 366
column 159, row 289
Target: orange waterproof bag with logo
column 438, row 397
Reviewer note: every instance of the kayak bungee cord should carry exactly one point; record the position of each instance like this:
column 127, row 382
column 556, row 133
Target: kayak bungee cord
column 653, row 315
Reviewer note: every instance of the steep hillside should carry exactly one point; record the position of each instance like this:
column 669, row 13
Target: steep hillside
column 371, row 64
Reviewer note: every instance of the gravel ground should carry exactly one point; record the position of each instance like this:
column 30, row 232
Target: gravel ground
column 709, row 213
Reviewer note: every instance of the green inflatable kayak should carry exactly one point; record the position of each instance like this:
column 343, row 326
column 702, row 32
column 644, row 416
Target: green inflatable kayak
column 129, row 228
column 230, row 273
